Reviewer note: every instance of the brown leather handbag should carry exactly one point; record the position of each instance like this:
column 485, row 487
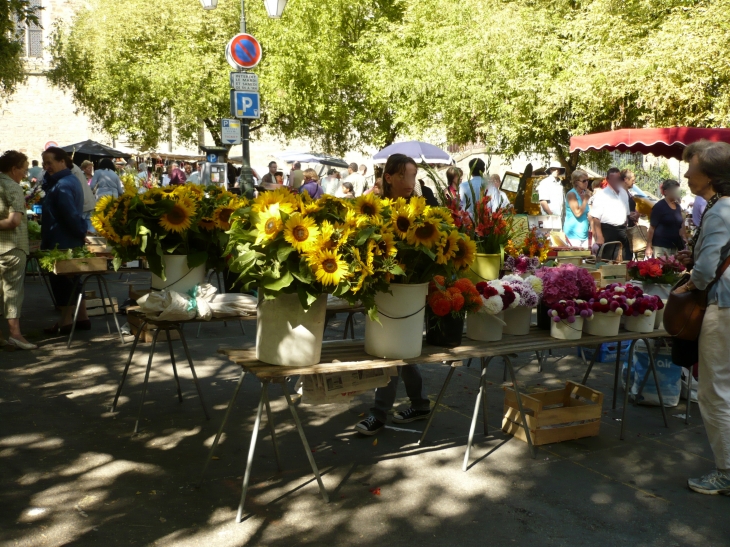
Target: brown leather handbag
column 684, row 312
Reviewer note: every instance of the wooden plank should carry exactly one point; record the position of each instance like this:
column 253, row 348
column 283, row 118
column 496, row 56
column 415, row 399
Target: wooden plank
column 97, row 303
column 566, row 415
column 615, row 270
column 80, row 265
column 585, row 392
column 549, row 436
column 528, row 401
column 96, row 312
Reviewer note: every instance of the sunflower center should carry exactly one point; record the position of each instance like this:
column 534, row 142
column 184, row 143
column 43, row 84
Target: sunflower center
column 225, row 215
column 403, row 223
column 270, row 226
column 300, row 233
column 460, row 249
column 329, row 265
column 426, row 231
column 177, row 216
column 368, row 209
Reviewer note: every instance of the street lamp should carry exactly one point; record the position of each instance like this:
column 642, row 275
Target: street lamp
column 275, row 8
column 209, row 4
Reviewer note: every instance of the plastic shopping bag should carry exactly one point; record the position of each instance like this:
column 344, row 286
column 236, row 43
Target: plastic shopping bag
column 670, row 376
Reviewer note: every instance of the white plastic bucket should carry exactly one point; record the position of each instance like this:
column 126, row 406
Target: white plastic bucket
column 287, row 335
column 641, row 323
column 567, row 331
column 399, row 335
column 178, row 277
column 660, row 317
column 602, row 324
column 517, row 320
column 484, row 326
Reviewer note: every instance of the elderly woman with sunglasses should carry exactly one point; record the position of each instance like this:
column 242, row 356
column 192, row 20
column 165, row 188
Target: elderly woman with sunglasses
column 576, row 225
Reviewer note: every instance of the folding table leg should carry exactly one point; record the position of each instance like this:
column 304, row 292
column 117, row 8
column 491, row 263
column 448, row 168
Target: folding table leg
column 146, row 379
column 652, row 365
column 508, row 362
column 590, row 365
column 307, row 450
column 629, row 363
column 126, row 367
column 485, row 418
column 452, row 368
column 114, row 315
column 174, row 368
column 73, row 323
column 473, row 425
column 251, row 450
column 617, row 371
column 272, row 427
column 103, row 303
column 192, row 369
column 222, row 427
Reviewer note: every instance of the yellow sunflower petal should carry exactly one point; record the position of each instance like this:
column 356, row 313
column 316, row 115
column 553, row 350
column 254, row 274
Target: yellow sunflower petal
column 301, row 232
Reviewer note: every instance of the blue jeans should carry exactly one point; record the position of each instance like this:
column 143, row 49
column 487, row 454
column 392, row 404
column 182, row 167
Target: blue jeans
column 385, row 396
column 89, row 227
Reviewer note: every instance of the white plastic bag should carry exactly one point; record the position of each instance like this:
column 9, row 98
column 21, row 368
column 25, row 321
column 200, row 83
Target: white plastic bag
column 670, row 376
column 230, row 304
column 167, row 306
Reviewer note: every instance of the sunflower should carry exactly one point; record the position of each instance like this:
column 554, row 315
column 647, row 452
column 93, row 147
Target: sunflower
column 268, row 226
column 440, row 215
column 222, row 216
column 301, row 232
column 355, row 220
column 207, row 224
column 368, row 205
column 128, row 241
column 101, row 205
column 424, row 233
column 418, row 205
column 386, row 245
column 307, row 205
column 329, row 267
column 109, row 232
column 177, row 219
column 97, row 221
column 270, row 202
column 447, row 247
column 402, row 219
column 465, row 254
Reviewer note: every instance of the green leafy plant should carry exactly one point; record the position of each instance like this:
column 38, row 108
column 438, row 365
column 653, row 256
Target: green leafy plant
column 47, row 259
column 34, row 230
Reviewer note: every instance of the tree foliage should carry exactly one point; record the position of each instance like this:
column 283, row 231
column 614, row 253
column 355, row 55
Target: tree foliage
column 13, row 13
column 517, row 75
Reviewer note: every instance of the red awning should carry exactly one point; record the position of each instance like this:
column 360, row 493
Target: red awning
column 669, row 142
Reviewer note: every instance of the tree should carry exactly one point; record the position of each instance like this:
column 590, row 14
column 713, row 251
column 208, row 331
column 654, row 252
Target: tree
column 14, row 15
column 315, row 77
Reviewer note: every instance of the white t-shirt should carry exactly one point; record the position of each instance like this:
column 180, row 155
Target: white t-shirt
column 358, row 183
column 610, row 207
column 549, row 189
column 331, row 185
column 498, row 198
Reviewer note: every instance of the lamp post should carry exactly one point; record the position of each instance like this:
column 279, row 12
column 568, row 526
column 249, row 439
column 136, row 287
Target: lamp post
column 275, row 8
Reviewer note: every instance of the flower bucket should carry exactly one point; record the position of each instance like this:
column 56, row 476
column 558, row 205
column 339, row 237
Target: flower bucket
column 603, row 324
column 657, row 289
column 445, row 331
column 517, row 321
column 485, row 327
column 567, row 331
column 288, row 336
column 178, row 276
column 399, row 335
column 641, row 323
column 660, row 316
column 485, row 268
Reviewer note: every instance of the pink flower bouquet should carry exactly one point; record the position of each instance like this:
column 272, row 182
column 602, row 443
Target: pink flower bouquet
column 566, row 282
column 568, row 310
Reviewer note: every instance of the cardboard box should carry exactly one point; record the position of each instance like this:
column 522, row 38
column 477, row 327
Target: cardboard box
column 341, row 387
column 94, row 306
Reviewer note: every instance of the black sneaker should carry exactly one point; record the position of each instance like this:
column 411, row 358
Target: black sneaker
column 410, row 415
column 369, row 426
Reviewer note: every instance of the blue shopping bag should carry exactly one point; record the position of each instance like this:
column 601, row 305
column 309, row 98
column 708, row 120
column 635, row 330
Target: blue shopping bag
column 670, row 376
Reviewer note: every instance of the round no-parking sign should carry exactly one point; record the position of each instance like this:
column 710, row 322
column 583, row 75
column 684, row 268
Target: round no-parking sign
column 243, row 51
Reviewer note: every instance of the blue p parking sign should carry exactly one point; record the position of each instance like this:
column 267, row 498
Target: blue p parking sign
column 244, row 104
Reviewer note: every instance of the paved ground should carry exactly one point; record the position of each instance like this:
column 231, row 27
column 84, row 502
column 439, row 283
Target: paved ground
column 71, row 473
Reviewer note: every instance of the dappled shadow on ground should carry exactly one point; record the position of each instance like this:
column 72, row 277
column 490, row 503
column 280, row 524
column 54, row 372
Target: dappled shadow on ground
column 72, row 473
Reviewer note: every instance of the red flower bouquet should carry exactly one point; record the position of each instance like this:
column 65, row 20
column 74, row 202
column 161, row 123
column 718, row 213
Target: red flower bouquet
column 568, row 310
column 448, row 303
column 663, row 270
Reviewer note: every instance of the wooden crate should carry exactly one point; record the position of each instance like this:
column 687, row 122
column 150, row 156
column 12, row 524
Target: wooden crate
column 34, row 245
column 554, row 416
column 94, row 306
column 80, row 265
column 149, row 331
column 606, row 274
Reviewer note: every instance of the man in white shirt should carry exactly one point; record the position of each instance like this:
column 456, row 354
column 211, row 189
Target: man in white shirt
column 498, row 199
column 194, row 177
column 356, row 179
column 471, row 190
column 550, row 193
column 610, row 210
column 331, row 183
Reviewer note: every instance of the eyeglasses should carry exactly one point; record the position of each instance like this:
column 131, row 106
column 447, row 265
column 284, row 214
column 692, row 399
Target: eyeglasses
column 584, row 180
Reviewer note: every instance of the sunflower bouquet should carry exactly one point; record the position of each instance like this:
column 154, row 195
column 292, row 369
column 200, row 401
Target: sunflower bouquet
column 184, row 220
column 287, row 243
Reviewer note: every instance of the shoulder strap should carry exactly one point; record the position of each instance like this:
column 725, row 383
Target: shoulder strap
column 720, row 271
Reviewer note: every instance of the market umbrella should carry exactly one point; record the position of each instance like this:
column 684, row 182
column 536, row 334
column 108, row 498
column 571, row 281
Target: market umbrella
column 668, row 142
column 421, row 152
column 93, row 151
column 313, row 157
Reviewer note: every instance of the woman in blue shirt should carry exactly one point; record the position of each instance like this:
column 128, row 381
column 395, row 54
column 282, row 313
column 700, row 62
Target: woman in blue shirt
column 666, row 234
column 105, row 181
column 576, row 224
